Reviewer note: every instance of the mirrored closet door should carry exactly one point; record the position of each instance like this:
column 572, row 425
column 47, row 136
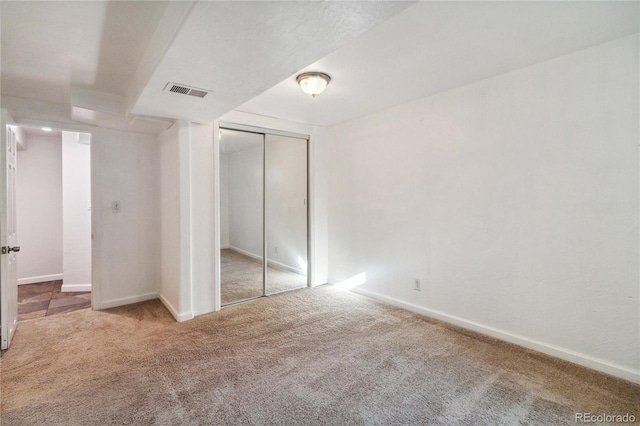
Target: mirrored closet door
column 241, row 215
column 286, row 213
column 263, row 213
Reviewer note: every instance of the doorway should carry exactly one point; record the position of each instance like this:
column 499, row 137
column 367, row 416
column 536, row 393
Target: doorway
column 263, row 213
column 53, row 187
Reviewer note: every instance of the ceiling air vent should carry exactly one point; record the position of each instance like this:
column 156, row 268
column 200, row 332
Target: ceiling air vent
column 185, row 90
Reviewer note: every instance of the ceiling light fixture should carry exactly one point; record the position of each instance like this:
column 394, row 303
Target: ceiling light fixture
column 47, row 129
column 313, row 83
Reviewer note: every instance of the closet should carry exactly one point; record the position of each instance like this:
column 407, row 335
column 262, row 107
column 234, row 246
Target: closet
column 263, row 212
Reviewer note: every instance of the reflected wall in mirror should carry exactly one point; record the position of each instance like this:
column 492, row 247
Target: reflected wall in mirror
column 286, row 212
column 241, row 215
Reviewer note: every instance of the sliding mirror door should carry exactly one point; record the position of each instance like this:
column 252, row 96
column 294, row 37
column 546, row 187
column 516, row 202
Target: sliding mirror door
column 241, row 215
column 286, row 213
column 263, row 213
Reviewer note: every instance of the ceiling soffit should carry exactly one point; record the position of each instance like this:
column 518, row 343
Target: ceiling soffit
column 237, row 50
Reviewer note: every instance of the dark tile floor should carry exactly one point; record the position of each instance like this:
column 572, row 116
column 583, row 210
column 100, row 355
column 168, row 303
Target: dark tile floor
column 45, row 299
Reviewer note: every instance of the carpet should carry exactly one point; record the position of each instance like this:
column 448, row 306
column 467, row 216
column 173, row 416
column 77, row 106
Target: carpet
column 312, row 357
column 241, row 278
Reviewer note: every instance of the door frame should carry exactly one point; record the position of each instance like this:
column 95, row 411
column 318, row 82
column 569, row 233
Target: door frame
column 223, row 125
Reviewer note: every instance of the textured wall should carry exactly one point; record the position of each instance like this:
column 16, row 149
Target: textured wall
column 245, row 188
column 513, row 199
column 76, row 213
column 39, row 210
column 126, row 245
column 169, row 217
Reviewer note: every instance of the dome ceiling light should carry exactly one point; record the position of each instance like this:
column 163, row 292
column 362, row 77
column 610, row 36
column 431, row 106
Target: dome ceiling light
column 313, row 83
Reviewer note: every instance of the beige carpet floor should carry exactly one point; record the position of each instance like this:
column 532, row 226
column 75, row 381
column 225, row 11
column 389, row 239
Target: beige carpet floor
column 311, row 357
column 241, row 278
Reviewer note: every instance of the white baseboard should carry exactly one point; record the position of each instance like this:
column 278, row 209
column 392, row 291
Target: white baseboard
column 185, row 316
column 226, row 246
column 270, row 262
column 39, row 279
column 246, row 253
column 126, row 301
column 75, row 287
column 282, row 266
column 555, row 351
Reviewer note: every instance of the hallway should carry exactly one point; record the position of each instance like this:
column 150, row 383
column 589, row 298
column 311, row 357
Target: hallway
column 46, row 299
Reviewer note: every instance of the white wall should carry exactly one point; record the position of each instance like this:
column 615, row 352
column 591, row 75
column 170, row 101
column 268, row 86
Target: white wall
column 286, row 208
column 513, row 199
column 76, row 213
column 319, row 207
column 224, row 201
column 169, row 219
column 187, row 222
column 245, row 199
column 201, row 156
column 39, row 210
column 21, row 138
column 126, row 245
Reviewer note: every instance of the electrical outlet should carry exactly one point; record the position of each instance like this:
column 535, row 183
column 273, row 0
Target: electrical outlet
column 417, row 284
column 116, row 207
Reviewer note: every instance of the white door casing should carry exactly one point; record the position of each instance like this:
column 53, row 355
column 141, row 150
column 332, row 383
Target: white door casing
column 8, row 234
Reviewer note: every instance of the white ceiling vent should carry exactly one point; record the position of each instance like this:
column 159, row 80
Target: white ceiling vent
column 185, row 90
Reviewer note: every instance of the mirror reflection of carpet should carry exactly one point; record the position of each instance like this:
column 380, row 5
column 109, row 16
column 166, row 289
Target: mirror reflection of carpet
column 242, row 277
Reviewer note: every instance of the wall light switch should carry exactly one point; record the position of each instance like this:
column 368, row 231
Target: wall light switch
column 116, row 207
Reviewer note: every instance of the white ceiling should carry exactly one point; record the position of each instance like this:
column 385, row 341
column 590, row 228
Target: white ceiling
column 436, row 46
column 50, row 46
column 237, row 50
column 37, row 131
column 108, row 62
